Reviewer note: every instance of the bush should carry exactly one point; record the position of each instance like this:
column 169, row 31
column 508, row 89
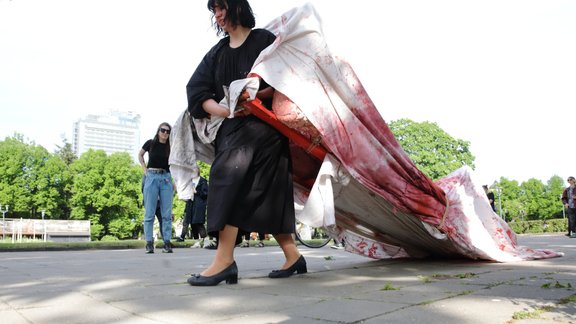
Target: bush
column 539, row 226
column 108, row 238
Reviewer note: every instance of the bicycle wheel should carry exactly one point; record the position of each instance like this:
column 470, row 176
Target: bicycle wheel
column 312, row 237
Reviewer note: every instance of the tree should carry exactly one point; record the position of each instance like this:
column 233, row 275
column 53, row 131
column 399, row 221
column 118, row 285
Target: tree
column 552, row 207
column 31, row 179
column 107, row 191
column 432, row 150
column 204, row 170
column 65, row 152
column 532, row 197
column 512, row 208
column 531, row 200
column 52, row 194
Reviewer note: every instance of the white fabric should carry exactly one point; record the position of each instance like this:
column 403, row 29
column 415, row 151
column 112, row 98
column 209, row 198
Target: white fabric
column 182, row 158
column 207, row 128
column 318, row 210
column 300, row 65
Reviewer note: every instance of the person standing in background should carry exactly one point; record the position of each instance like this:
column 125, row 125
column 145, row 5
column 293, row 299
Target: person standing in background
column 490, row 196
column 198, row 218
column 158, row 186
column 195, row 214
column 569, row 201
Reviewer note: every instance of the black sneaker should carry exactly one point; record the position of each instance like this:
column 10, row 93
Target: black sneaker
column 149, row 247
column 179, row 239
column 167, row 247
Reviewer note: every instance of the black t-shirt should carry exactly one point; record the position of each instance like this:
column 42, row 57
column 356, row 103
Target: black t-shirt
column 157, row 154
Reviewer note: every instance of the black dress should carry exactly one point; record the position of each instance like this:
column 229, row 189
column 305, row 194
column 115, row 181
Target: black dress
column 251, row 176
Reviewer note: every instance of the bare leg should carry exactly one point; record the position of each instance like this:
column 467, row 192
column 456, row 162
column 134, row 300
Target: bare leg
column 288, row 245
column 225, row 252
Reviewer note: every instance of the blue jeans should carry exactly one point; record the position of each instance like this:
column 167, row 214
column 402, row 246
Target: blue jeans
column 158, row 189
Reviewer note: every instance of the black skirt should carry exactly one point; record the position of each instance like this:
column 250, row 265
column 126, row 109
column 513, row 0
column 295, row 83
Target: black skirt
column 251, row 179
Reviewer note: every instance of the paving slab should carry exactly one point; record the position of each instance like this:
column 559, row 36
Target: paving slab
column 128, row 286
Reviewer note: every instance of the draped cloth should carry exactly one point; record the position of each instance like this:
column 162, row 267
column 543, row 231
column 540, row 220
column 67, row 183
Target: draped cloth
column 369, row 193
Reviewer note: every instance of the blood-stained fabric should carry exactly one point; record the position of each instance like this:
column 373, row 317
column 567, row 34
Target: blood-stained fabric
column 367, row 191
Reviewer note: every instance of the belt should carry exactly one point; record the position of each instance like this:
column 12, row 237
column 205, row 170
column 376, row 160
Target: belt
column 157, row 171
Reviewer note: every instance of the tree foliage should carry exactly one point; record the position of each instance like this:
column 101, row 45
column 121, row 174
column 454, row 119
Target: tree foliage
column 432, row 150
column 31, row 179
column 66, row 153
column 107, row 191
column 437, row 154
column 530, row 200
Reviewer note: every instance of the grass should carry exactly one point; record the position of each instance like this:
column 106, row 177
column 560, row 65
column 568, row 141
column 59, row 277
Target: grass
column 566, row 300
column 533, row 314
column 39, row 245
column 556, row 285
column 56, row 246
column 425, row 279
column 389, row 287
column 439, row 276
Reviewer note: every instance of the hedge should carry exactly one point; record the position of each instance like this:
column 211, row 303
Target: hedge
column 540, row 226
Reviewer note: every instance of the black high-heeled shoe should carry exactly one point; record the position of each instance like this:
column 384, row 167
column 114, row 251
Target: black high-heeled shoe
column 299, row 267
column 229, row 274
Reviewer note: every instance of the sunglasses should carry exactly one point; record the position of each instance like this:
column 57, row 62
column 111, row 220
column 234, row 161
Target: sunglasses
column 164, row 130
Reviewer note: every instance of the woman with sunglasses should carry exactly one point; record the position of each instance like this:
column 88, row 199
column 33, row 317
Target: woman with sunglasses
column 250, row 177
column 158, row 186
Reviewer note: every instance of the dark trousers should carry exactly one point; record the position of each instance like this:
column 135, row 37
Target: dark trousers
column 198, row 231
column 185, row 226
column 187, row 220
column 571, row 219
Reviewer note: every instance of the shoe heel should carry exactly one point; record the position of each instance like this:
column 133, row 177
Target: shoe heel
column 232, row 279
column 303, row 269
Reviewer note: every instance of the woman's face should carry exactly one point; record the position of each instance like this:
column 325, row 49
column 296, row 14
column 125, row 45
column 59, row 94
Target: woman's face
column 164, row 132
column 220, row 16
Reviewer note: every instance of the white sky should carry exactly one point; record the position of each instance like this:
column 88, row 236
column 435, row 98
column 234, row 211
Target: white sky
column 499, row 74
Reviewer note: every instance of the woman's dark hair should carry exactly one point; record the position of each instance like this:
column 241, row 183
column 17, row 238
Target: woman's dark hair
column 157, row 140
column 238, row 13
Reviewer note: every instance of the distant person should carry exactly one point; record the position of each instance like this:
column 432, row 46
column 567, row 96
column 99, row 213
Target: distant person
column 246, row 237
column 261, row 238
column 338, row 245
column 186, row 221
column 490, row 196
column 569, row 201
column 195, row 214
column 158, row 186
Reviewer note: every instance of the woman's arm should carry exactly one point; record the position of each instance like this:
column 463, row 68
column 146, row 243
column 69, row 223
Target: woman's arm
column 141, row 159
column 215, row 109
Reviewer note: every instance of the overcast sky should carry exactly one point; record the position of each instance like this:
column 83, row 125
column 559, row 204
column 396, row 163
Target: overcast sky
column 499, row 74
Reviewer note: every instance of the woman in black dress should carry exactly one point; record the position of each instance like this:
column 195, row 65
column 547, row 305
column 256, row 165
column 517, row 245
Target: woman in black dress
column 250, row 178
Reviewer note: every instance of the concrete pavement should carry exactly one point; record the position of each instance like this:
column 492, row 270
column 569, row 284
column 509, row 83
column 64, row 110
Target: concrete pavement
column 128, row 286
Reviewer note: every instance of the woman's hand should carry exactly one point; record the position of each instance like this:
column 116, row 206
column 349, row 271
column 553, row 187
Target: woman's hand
column 242, row 111
column 244, row 96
